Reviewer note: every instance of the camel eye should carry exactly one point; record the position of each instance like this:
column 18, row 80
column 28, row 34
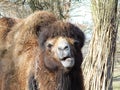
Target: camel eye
column 49, row 45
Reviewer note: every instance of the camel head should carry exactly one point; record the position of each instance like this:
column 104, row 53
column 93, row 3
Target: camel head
column 61, row 44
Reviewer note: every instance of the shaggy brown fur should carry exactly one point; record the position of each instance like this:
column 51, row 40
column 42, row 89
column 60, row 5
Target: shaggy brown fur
column 58, row 79
column 18, row 44
column 5, row 56
column 24, row 60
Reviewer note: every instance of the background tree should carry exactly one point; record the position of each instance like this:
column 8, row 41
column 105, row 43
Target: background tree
column 59, row 7
column 14, row 9
column 98, row 64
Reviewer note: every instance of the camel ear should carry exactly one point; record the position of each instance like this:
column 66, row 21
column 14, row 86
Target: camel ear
column 38, row 30
column 78, row 34
column 50, row 64
column 81, row 38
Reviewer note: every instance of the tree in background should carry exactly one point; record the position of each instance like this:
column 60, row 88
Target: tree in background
column 59, row 7
column 10, row 8
column 98, row 64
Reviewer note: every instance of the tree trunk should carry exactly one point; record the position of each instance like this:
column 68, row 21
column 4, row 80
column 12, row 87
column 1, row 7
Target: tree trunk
column 99, row 62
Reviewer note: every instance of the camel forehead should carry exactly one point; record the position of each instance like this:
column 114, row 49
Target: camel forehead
column 60, row 40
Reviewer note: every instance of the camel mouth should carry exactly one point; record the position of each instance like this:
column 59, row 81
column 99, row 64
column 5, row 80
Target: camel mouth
column 65, row 58
column 68, row 62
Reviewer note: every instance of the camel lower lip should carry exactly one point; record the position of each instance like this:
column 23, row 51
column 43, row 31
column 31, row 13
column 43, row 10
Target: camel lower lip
column 68, row 59
column 68, row 62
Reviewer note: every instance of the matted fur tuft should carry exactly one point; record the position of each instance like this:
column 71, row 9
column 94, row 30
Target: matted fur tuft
column 64, row 29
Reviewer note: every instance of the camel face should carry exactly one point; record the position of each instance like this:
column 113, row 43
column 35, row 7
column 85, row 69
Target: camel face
column 61, row 43
column 61, row 48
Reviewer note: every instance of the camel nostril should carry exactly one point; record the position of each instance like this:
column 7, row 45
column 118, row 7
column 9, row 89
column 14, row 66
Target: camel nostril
column 59, row 49
column 63, row 48
column 66, row 47
column 63, row 52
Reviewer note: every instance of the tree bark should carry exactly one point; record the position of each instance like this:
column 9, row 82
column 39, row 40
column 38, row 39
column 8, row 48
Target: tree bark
column 99, row 62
